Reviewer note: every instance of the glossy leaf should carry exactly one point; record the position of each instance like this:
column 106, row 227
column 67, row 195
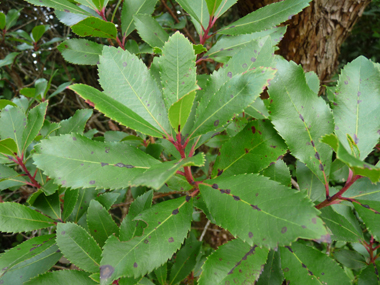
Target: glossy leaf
column 9, row 59
column 312, row 81
column 167, row 226
column 49, row 188
column 305, row 265
column 82, row 203
column 76, row 123
column 130, row 228
column 115, row 110
column 11, row 18
column 10, row 178
column 101, row 164
column 70, row 199
column 126, row 79
column 38, row 32
column 310, row 183
column 369, row 212
column 2, row 20
column 131, row 8
column 100, row 223
column 278, row 171
column 4, row 103
column 13, row 122
column 357, row 105
column 34, row 124
column 350, row 259
column 178, row 71
column 234, row 262
column 250, row 151
column 307, row 117
column 8, row 147
column 232, row 98
column 32, row 265
column 212, row 5
column 95, row 27
column 342, row 229
column 272, row 273
column 253, row 208
column 107, row 199
column 62, row 277
column 78, row 246
column 359, row 167
column 179, row 112
column 162, row 273
column 186, row 5
column 17, row 218
column 61, row 5
column 49, row 205
column 266, row 17
column 80, row 51
column 150, row 30
column 185, row 260
column 370, row 275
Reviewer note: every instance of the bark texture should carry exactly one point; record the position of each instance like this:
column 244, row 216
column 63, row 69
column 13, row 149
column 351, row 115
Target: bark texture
column 315, row 35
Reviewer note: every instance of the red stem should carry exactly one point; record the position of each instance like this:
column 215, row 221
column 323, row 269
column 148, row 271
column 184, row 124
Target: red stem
column 20, row 162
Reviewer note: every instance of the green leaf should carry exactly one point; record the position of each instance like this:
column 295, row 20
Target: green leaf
column 178, row 71
column 162, row 273
column 70, row 200
column 350, row 259
column 100, row 223
column 18, row 218
column 61, row 5
column 342, row 229
column 356, row 105
column 272, row 273
column 78, row 246
column 60, row 89
column 8, row 147
column 167, row 226
column 80, row 51
column 266, row 17
column 78, row 162
column 150, row 30
column 40, row 258
column 156, row 176
column 369, row 212
column 268, row 220
column 2, row 20
column 131, row 8
column 82, row 203
column 118, row 72
column 213, row 5
column 10, row 178
column 49, row 205
column 17, row 256
column 308, row 115
column 13, row 121
column 312, row 81
column 250, row 151
column 358, row 167
column 257, row 109
column 8, row 59
column 234, row 262
column 95, row 27
column 363, row 189
column 370, row 275
column 198, row 49
column 62, row 277
column 305, row 265
column 38, row 32
column 180, row 111
column 188, row 7
column 129, row 228
column 185, row 260
column 76, row 123
column 49, row 188
column 107, row 199
column 115, row 110
column 278, row 171
column 310, row 183
column 34, row 124
column 4, row 103
column 232, row 98
column 11, row 18
column 228, row 46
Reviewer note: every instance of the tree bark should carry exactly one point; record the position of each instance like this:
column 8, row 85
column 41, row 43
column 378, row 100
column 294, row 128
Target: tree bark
column 315, row 35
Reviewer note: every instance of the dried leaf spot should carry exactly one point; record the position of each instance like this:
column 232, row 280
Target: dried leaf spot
column 311, row 273
column 314, row 220
column 74, row 138
column 312, row 143
column 175, row 212
column 346, row 82
column 303, row 226
column 286, row 269
column 366, row 206
column 107, row 150
column 146, row 241
column 253, row 129
column 321, row 168
column 237, row 198
column 215, row 186
column 229, row 74
column 317, row 155
column 135, row 265
column 106, row 271
column 124, row 165
column 92, row 182
column 66, row 10
column 359, row 93
column 171, row 239
column 246, row 150
column 244, row 65
column 220, row 171
column 301, row 117
column 284, row 230
column 104, row 164
column 303, row 265
column 250, row 235
column 216, row 123
column 63, row 233
column 253, row 59
column 290, row 249
column 188, row 198
column 255, row 207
